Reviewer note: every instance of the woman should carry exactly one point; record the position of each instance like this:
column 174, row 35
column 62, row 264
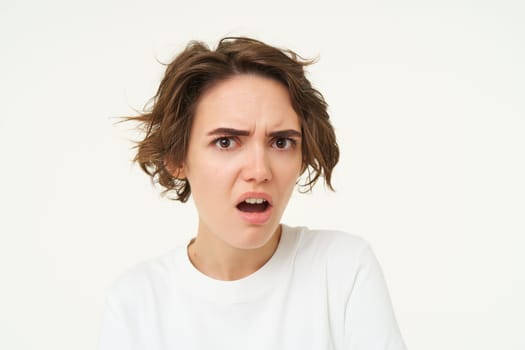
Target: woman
column 236, row 127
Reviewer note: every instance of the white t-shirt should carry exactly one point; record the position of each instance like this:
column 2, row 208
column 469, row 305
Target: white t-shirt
column 319, row 290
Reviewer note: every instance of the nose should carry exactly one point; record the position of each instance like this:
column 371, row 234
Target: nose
column 257, row 165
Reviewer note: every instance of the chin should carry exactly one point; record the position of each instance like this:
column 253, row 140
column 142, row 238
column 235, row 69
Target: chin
column 255, row 237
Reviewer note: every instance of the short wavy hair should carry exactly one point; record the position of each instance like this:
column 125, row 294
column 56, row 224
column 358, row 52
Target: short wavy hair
column 167, row 120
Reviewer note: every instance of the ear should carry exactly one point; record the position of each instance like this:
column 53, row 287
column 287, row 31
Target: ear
column 177, row 172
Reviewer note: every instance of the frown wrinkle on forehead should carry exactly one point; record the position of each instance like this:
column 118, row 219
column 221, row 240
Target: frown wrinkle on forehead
column 251, row 103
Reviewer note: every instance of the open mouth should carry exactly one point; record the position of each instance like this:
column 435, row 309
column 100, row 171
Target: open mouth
column 253, row 205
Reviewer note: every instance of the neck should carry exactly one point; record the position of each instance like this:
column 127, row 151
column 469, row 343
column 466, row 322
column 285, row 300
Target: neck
column 221, row 261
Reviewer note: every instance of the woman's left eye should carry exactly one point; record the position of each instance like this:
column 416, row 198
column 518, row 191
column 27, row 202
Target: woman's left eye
column 283, row 143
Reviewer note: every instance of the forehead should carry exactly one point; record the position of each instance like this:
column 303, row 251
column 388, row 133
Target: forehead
column 246, row 100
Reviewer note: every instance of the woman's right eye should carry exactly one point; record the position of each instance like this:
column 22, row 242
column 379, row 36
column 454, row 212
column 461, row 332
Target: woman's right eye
column 225, row 143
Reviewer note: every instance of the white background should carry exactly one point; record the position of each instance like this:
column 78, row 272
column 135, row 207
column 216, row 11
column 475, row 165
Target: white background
column 428, row 101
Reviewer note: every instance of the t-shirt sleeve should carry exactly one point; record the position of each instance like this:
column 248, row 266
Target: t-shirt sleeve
column 114, row 333
column 370, row 323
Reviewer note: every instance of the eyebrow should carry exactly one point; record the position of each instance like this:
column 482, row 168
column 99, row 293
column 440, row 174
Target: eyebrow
column 237, row 132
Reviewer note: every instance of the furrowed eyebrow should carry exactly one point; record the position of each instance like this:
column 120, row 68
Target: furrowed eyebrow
column 237, row 132
column 285, row 134
column 229, row 132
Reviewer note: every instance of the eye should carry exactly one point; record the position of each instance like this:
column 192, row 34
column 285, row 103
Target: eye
column 225, row 143
column 283, row 143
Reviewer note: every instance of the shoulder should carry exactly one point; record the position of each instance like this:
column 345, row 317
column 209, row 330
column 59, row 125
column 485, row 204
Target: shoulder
column 331, row 252
column 335, row 259
column 142, row 279
column 329, row 243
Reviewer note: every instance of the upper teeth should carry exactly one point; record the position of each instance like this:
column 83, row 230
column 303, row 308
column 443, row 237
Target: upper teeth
column 254, row 200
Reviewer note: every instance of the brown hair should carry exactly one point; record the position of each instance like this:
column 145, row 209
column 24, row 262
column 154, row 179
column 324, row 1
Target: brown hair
column 167, row 122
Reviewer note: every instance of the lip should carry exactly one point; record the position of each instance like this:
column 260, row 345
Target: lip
column 262, row 195
column 256, row 218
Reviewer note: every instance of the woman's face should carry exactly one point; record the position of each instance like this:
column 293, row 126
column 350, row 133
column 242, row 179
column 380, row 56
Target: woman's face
column 243, row 159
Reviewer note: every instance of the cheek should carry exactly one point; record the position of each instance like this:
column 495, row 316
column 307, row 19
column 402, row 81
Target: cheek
column 210, row 178
column 287, row 171
column 208, row 195
column 292, row 164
